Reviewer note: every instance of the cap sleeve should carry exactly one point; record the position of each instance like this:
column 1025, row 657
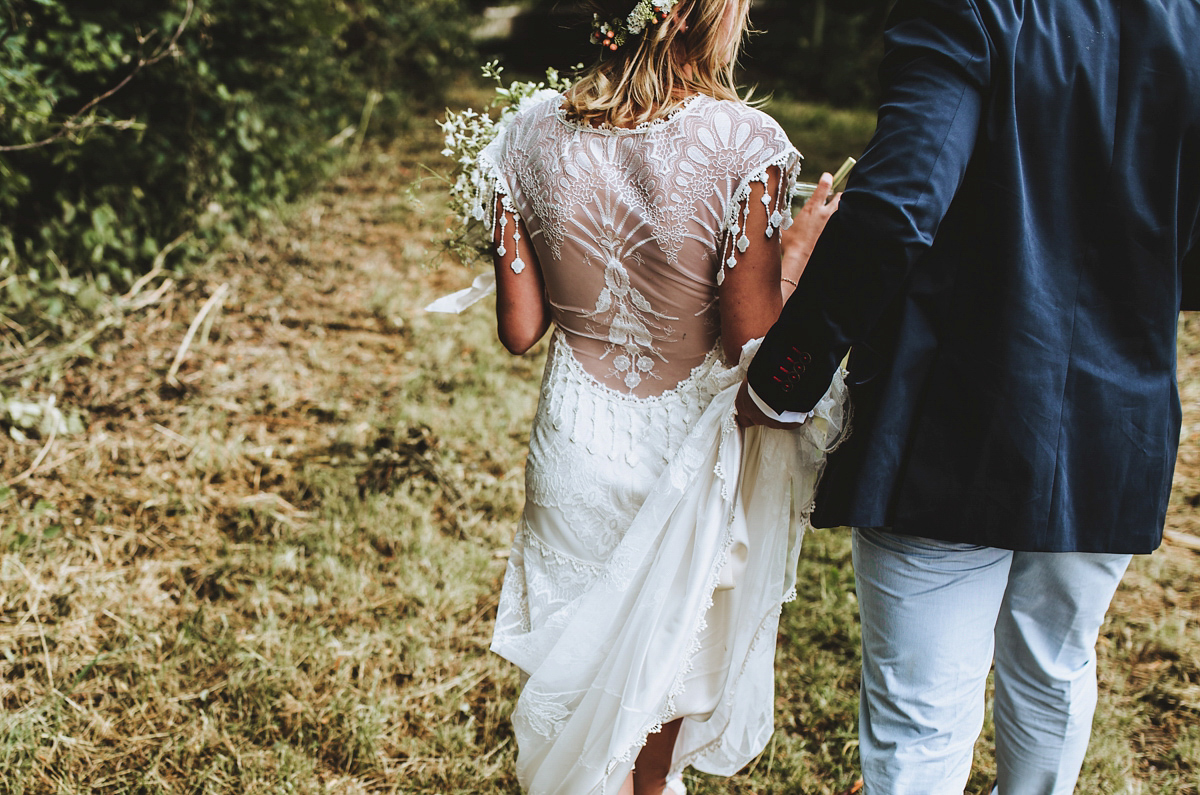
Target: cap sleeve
column 497, row 174
column 764, row 147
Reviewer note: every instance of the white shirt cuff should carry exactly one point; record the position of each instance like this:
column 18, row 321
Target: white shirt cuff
column 778, row 416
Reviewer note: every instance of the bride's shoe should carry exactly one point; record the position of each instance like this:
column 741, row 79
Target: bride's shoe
column 675, row 785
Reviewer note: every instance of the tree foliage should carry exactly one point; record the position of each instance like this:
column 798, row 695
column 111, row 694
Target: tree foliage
column 236, row 117
column 817, row 50
column 826, row 50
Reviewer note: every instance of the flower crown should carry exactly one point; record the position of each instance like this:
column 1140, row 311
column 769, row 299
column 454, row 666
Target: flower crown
column 614, row 33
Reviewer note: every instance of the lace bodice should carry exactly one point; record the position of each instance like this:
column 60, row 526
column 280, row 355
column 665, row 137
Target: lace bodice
column 635, row 228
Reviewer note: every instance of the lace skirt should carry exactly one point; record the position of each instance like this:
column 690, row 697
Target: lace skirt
column 657, row 545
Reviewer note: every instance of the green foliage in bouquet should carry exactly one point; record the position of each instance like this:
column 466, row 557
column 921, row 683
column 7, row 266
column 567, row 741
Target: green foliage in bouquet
column 252, row 104
column 467, row 134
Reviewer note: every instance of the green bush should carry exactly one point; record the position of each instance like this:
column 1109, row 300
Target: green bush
column 821, row 50
column 239, row 117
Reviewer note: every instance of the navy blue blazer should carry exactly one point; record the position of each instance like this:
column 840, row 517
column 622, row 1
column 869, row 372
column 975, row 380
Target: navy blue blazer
column 1007, row 264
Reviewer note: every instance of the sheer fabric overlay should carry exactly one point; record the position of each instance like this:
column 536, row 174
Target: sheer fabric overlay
column 658, row 541
column 635, row 229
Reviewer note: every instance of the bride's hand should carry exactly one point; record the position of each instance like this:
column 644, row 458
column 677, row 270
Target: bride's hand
column 798, row 241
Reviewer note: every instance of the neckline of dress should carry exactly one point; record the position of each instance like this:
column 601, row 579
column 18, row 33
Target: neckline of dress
column 560, row 113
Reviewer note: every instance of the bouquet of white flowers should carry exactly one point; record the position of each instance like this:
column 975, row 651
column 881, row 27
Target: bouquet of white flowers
column 467, row 133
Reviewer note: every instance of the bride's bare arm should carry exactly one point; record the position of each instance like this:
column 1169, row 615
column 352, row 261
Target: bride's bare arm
column 750, row 295
column 798, row 241
column 797, row 245
column 522, row 313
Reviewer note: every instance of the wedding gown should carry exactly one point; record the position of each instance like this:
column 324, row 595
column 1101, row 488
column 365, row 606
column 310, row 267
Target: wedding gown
column 658, row 541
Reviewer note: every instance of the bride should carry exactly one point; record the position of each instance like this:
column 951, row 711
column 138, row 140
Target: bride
column 641, row 215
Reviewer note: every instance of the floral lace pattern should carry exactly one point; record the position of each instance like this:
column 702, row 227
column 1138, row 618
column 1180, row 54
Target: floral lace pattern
column 629, row 322
column 635, row 228
column 592, row 450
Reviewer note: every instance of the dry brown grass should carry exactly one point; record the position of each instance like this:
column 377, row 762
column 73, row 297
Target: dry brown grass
column 278, row 575
column 273, row 575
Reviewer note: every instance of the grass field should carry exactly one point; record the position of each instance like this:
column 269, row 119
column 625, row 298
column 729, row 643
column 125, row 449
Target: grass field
column 277, row 572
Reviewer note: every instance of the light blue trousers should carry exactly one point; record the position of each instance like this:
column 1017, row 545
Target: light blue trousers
column 934, row 616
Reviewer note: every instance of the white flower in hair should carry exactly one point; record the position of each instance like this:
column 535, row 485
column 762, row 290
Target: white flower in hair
column 612, row 34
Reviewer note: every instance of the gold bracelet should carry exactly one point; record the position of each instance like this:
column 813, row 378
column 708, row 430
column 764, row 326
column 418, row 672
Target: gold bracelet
column 789, row 281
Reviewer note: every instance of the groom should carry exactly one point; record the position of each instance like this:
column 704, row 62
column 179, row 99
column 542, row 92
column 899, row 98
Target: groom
column 1006, row 267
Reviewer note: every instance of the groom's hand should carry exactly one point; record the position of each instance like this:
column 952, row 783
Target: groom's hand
column 748, row 412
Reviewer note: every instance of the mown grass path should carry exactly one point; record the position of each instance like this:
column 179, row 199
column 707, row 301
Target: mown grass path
column 278, row 574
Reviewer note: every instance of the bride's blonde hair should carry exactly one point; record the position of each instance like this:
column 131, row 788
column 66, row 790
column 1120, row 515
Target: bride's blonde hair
column 647, row 77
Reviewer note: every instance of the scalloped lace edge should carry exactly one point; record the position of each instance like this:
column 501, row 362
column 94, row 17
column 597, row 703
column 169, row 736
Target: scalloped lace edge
column 713, row 367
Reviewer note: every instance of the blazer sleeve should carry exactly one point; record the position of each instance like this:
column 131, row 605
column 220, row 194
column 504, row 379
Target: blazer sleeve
column 934, row 76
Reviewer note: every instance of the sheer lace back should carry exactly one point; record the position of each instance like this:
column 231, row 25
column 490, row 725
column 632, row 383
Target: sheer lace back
column 634, row 229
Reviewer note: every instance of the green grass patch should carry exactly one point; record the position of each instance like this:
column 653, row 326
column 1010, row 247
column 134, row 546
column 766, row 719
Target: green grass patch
column 824, row 135
column 280, row 576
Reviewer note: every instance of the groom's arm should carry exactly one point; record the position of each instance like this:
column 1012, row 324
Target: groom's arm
column 934, row 75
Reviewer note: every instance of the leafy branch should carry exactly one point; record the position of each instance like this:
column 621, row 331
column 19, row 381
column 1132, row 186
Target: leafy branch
column 12, row 24
column 72, row 125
